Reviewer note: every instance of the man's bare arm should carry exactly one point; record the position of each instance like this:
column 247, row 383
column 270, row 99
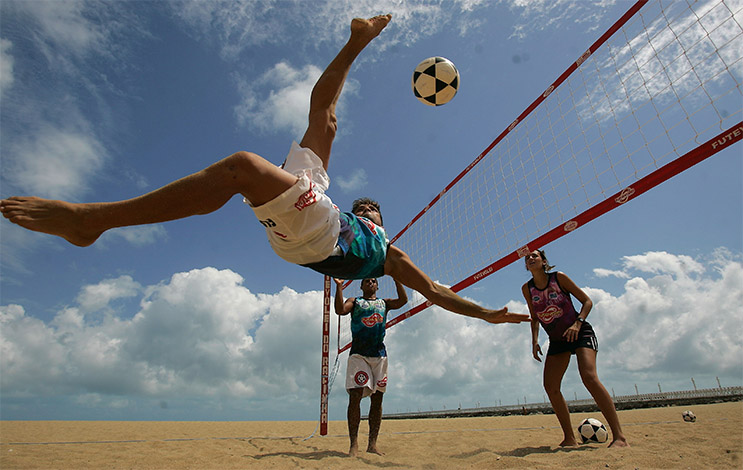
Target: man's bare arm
column 342, row 307
column 402, row 297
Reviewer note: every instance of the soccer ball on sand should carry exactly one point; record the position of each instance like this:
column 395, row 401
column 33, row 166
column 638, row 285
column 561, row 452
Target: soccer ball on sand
column 592, row 430
column 435, row 81
column 689, row 416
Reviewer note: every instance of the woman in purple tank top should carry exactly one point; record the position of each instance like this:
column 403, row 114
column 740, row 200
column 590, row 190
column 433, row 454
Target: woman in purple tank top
column 548, row 295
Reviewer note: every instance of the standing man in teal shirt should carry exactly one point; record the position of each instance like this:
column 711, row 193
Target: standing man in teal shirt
column 366, row 374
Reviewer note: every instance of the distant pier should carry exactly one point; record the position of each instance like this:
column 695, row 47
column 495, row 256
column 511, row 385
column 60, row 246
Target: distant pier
column 622, row 402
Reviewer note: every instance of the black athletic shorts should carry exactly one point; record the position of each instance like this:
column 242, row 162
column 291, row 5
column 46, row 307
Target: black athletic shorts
column 586, row 339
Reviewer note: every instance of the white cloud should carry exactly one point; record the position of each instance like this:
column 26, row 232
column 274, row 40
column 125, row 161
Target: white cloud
column 278, row 100
column 663, row 262
column 537, row 15
column 6, row 65
column 76, row 27
column 239, row 25
column 440, row 355
column 55, row 162
column 355, row 181
column 686, row 317
column 138, row 235
column 68, row 53
column 601, row 272
column 675, row 318
column 700, row 50
column 64, row 23
column 201, row 336
column 98, row 296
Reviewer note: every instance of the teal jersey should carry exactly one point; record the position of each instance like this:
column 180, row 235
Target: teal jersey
column 368, row 320
column 363, row 245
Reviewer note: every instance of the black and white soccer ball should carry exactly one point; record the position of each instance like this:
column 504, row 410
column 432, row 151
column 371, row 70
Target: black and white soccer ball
column 435, row 81
column 592, row 430
column 689, row 416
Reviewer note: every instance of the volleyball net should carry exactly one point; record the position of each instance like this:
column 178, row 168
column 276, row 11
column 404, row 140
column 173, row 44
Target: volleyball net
column 657, row 93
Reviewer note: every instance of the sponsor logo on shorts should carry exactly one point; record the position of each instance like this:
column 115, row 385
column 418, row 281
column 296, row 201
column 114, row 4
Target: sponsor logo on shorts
column 372, row 320
column 382, row 383
column 268, row 223
column 361, row 378
column 306, row 200
column 549, row 314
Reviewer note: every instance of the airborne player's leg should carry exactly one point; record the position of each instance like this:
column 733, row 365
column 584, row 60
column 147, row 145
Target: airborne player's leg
column 246, row 173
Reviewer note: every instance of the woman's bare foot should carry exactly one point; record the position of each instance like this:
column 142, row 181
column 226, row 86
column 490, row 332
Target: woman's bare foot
column 364, row 31
column 49, row 216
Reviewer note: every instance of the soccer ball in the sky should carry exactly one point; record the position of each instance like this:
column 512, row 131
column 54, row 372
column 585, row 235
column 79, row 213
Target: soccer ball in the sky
column 435, row 81
column 689, row 416
column 592, row 430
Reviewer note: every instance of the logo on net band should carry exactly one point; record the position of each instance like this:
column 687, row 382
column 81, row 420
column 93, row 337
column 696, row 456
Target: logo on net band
column 625, row 195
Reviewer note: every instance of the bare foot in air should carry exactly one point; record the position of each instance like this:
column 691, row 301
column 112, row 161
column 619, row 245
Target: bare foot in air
column 364, row 31
column 49, row 216
column 504, row 316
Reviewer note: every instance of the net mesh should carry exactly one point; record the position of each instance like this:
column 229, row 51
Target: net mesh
column 661, row 83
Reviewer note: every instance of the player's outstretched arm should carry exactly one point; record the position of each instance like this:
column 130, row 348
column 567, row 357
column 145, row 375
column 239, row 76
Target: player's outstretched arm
column 401, row 268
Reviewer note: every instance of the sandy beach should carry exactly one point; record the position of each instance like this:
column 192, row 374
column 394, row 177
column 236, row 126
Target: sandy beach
column 659, row 439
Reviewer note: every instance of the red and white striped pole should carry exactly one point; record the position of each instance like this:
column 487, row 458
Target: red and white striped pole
column 325, row 358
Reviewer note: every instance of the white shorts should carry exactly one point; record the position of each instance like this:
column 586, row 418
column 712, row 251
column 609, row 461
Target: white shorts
column 302, row 223
column 369, row 373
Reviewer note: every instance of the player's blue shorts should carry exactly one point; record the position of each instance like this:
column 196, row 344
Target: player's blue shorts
column 360, row 252
column 586, row 339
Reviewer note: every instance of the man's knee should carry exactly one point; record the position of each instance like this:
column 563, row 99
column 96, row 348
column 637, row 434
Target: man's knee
column 355, row 394
column 244, row 161
column 377, row 396
column 247, row 169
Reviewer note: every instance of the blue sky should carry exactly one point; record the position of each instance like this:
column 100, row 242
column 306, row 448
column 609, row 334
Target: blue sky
column 198, row 320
